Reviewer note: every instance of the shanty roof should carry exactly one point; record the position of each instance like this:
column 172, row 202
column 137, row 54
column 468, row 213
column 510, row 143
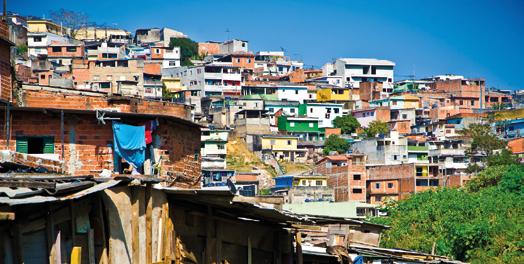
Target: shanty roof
column 20, row 189
column 227, row 204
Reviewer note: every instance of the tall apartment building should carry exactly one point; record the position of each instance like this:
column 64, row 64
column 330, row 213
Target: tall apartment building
column 356, row 70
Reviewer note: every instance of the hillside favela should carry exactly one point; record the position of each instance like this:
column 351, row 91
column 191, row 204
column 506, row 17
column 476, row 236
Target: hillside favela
column 286, row 132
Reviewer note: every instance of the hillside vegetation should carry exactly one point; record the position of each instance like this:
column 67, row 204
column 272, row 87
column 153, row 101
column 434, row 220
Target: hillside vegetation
column 482, row 223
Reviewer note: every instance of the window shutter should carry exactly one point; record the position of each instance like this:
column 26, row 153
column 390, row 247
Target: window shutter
column 21, row 145
column 49, row 145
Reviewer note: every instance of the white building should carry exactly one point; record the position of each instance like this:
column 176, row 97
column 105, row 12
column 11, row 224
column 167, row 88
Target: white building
column 170, row 57
column 212, row 79
column 355, row 70
column 325, row 112
column 234, row 46
column 213, row 148
column 38, row 42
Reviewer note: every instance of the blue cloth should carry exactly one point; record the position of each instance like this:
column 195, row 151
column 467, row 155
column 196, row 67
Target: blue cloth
column 130, row 143
column 358, row 260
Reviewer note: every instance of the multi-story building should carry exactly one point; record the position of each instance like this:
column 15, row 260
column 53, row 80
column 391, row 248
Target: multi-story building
column 213, row 79
column 450, row 155
column 354, row 71
column 366, row 116
column 397, row 102
column 282, row 147
column 303, row 188
column 37, row 42
column 170, row 57
column 346, row 175
column 124, row 77
column 157, row 35
column 306, row 128
column 213, row 148
column 397, row 182
column 276, row 92
column 388, row 149
column 324, row 112
column 46, row 26
column 234, row 46
column 64, row 53
column 114, row 35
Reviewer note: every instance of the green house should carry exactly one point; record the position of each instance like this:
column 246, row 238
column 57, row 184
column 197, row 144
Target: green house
column 306, row 128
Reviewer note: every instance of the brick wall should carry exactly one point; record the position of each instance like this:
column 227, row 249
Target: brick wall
column 36, row 96
column 87, row 144
column 342, row 179
column 5, row 71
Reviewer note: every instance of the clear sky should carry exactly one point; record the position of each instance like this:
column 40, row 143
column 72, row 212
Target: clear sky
column 476, row 38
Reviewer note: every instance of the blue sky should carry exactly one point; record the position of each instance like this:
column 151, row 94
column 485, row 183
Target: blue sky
column 473, row 38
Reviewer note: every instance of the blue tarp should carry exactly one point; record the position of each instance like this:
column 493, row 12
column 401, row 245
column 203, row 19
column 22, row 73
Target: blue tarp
column 130, row 143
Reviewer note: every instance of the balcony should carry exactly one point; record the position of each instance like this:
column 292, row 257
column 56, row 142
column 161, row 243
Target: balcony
column 418, row 148
column 447, row 152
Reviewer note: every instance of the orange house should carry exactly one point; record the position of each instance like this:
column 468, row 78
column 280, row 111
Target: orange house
column 65, row 50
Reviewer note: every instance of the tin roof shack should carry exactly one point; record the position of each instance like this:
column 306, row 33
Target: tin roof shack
column 53, row 218
column 83, row 142
column 346, row 175
column 218, row 227
column 396, row 182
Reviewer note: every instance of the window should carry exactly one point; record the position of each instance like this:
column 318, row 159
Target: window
column 71, row 49
column 377, row 185
column 296, row 91
column 361, row 211
column 433, row 182
column 311, row 110
column 105, row 85
column 404, row 116
column 318, row 183
column 422, row 182
column 248, row 60
column 394, row 102
column 57, row 49
column 357, row 190
column 390, row 185
column 378, row 198
column 289, row 142
column 311, row 125
column 271, row 109
column 37, row 39
column 35, row 145
column 292, row 124
column 336, row 110
column 172, row 63
column 395, row 157
column 292, row 110
column 461, row 102
column 220, row 146
column 357, row 177
column 42, row 76
column 238, row 60
column 472, row 102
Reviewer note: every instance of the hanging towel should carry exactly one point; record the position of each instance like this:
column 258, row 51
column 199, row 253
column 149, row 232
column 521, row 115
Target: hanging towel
column 149, row 132
column 130, row 143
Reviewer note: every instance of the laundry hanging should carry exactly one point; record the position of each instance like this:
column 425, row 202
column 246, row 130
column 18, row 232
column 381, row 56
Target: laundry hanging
column 130, row 143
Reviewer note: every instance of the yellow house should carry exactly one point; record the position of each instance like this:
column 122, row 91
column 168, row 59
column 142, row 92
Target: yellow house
column 310, row 180
column 90, row 33
column 46, row 26
column 411, row 101
column 283, row 147
column 330, row 94
column 172, row 84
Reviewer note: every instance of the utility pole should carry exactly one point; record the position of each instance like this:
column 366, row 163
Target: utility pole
column 5, row 10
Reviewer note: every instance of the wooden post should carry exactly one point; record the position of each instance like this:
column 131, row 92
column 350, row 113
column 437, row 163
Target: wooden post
column 149, row 224
column 91, row 246
column 249, row 251
column 298, row 246
column 135, row 207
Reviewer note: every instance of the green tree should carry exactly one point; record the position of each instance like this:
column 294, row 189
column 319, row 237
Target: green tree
column 21, row 49
column 482, row 140
column 188, row 50
column 347, row 124
column 376, row 127
column 481, row 223
column 335, row 143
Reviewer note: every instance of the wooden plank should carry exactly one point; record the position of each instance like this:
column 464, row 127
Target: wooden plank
column 298, row 246
column 7, row 216
column 91, row 246
column 149, row 224
column 135, row 207
column 27, row 184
